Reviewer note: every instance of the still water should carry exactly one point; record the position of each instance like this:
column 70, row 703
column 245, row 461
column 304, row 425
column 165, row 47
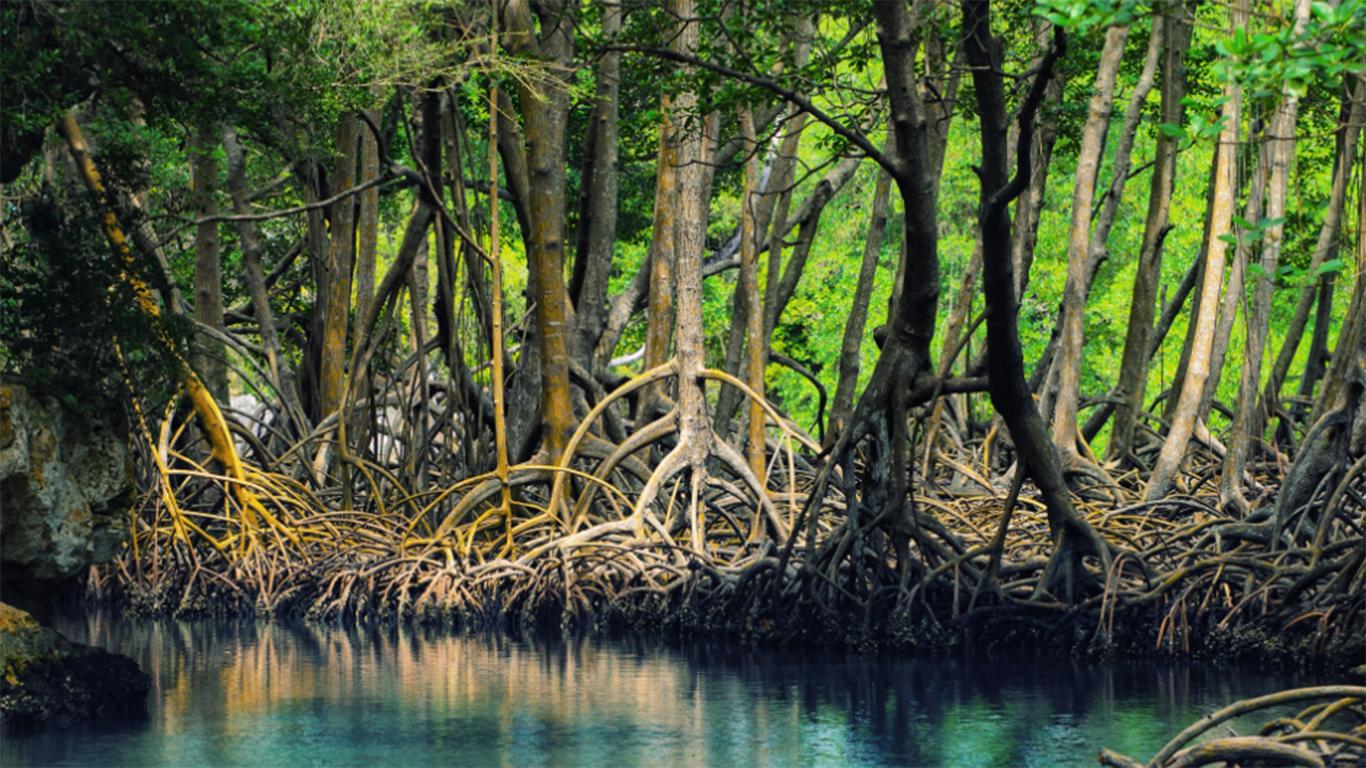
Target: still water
column 242, row 693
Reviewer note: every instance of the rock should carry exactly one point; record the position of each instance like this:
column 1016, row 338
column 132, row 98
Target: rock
column 65, row 487
column 46, row 679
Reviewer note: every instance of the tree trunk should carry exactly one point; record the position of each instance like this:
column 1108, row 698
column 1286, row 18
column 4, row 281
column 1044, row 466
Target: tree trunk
column 545, row 115
column 749, row 285
column 1133, row 371
column 1226, row 183
column 1281, row 148
column 1325, row 247
column 694, row 429
column 1231, row 303
column 858, row 311
column 281, row 371
column 367, row 227
column 1074, row 292
column 340, row 258
column 208, row 282
column 1010, row 394
column 598, row 200
column 659, row 319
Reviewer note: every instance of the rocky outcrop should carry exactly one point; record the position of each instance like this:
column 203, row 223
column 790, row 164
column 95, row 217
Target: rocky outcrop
column 46, row 679
column 65, row 486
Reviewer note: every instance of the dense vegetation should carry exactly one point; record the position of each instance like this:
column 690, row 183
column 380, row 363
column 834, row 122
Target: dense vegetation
column 919, row 322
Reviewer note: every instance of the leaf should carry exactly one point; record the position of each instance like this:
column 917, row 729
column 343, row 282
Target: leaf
column 1331, row 267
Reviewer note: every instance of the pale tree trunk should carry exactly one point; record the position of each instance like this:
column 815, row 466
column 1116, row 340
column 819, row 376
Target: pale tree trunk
column 1281, row 146
column 1226, row 183
column 694, row 429
column 1075, row 290
column 749, row 285
column 367, row 227
column 1231, row 303
column 1325, row 247
column 208, row 281
column 659, row 319
column 1124, row 152
column 1133, row 371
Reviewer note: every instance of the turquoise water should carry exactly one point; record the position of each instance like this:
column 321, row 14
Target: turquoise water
column 242, row 693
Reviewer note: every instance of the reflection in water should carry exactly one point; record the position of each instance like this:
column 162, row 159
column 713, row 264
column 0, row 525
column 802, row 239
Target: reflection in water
column 241, row 693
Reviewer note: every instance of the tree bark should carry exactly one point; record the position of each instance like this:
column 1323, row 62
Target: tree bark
column 659, row 319
column 545, row 116
column 1281, row 148
column 1010, row 394
column 340, row 258
column 1187, row 410
column 1133, row 371
column 598, row 200
column 281, row 371
column 1325, row 247
column 1073, row 313
column 208, row 281
column 367, row 227
column 749, row 284
column 858, row 311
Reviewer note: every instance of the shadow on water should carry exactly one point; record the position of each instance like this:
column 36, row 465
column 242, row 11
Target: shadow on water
column 242, row 693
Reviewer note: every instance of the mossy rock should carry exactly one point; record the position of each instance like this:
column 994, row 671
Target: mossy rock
column 46, row 679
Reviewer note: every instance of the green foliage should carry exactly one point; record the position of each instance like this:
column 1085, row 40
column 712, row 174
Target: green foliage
column 66, row 312
column 1085, row 15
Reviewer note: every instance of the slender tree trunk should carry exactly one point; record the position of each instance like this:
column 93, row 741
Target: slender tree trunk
column 1025, row 226
column 1337, row 437
column 749, row 284
column 1230, row 303
column 208, row 282
column 281, row 371
column 1186, row 414
column 1281, row 148
column 659, row 319
column 786, row 287
column 1078, row 252
column 367, row 227
column 1344, row 385
column 858, row 311
column 340, row 259
column 1009, row 392
column 598, row 200
column 1133, row 371
column 1325, row 247
column 783, row 172
column 1316, row 359
column 1124, row 150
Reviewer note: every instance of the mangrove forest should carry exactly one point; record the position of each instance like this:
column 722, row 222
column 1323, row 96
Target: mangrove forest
column 663, row 381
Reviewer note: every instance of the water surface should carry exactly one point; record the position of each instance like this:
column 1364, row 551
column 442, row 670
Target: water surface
column 243, row 693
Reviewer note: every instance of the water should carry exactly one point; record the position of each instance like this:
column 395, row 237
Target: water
column 241, row 693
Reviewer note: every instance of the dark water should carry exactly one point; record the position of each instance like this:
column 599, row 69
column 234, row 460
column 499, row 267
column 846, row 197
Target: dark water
column 240, row 693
